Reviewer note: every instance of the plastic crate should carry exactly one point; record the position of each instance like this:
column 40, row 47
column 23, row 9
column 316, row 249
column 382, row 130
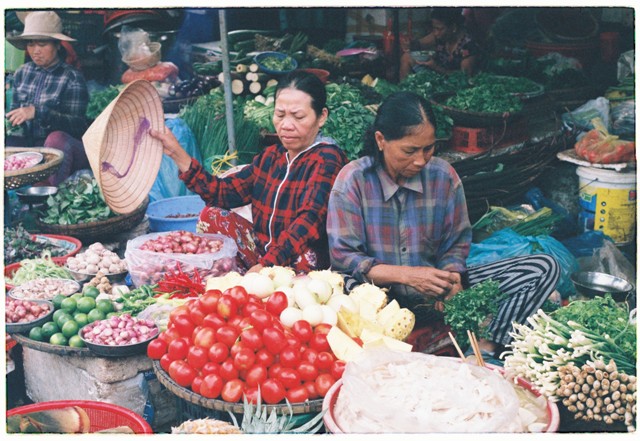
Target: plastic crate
column 102, row 416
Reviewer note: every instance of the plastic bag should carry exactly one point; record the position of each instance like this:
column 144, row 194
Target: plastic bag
column 167, row 184
column 582, row 117
column 134, row 44
column 598, row 146
column 609, row 260
column 626, row 65
column 148, row 267
column 623, row 119
column 584, row 244
column 506, row 243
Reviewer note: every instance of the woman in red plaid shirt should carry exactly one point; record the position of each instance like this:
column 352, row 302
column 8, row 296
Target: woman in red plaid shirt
column 287, row 184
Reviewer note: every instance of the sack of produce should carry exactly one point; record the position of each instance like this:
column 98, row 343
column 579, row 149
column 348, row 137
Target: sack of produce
column 150, row 256
column 387, row 391
column 598, row 146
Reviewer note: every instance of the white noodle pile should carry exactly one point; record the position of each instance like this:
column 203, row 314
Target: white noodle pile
column 399, row 392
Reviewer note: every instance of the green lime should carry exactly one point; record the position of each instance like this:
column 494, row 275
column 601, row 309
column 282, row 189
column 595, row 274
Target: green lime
column 112, row 314
column 69, row 304
column 105, row 305
column 48, row 329
column 85, row 304
column 77, row 295
column 63, row 318
column 76, row 342
column 95, row 315
column 58, row 313
column 57, row 301
column 36, row 334
column 81, row 318
column 70, row 328
column 91, row 291
column 58, row 339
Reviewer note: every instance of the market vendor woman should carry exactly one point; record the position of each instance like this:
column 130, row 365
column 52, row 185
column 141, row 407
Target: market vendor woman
column 398, row 219
column 287, row 184
column 50, row 97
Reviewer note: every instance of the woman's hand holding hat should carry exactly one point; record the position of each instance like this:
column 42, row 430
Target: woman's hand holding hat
column 172, row 148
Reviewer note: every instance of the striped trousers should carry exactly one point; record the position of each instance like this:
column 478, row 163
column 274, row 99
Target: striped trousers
column 527, row 280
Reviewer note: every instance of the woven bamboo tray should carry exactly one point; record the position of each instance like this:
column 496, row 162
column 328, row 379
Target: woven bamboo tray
column 92, row 231
column 52, row 349
column 312, row 406
column 20, row 178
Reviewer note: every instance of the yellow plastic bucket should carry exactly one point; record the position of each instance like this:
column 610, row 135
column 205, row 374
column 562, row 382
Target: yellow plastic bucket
column 608, row 203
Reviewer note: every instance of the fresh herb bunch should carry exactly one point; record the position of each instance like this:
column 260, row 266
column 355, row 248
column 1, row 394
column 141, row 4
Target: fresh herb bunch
column 19, row 245
column 603, row 316
column 486, row 98
column 471, row 308
column 77, row 201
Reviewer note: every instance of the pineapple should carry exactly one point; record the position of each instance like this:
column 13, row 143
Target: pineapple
column 206, row 426
column 400, row 325
column 256, row 419
column 368, row 292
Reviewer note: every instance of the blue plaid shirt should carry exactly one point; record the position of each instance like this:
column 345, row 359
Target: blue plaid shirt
column 59, row 94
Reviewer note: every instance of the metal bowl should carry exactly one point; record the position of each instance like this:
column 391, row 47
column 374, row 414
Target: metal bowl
column 85, row 277
column 591, row 284
column 117, row 351
column 36, row 195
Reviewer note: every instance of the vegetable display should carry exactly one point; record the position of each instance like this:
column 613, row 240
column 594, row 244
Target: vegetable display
column 45, row 289
column 562, row 353
column 471, row 309
column 19, row 244
column 77, row 201
column 517, row 85
column 21, row 161
column 96, row 259
column 487, row 98
column 100, row 99
column 23, row 311
column 37, row 268
column 275, row 63
column 120, row 330
column 226, row 345
column 182, row 242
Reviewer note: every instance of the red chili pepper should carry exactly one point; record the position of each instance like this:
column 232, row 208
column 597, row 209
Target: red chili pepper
column 180, row 285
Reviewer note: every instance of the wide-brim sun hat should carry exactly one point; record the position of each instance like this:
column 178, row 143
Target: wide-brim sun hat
column 38, row 25
column 124, row 158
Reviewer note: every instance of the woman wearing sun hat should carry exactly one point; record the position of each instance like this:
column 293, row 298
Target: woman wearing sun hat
column 287, row 184
column 50, row 97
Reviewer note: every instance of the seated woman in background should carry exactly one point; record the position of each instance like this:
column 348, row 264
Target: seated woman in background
column 454, row 48
column 398, row 219
column 287, row 184
column 50, row 97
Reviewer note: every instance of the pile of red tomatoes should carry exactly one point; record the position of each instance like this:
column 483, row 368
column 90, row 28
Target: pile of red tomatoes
column 226, row 345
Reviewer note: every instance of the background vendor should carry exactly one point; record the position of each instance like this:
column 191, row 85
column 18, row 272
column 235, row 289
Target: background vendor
column 50, row 97
column 453, row 46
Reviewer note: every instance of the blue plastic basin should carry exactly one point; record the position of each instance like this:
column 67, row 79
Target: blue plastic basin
column 161, row 213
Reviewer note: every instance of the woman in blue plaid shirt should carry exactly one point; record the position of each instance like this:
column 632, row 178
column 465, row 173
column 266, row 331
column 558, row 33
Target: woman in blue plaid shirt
column 50, row 97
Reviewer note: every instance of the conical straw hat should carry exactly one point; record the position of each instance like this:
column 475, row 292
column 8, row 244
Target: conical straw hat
column 124, row 158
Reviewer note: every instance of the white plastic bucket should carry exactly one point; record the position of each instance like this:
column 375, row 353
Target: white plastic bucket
column 608, row 203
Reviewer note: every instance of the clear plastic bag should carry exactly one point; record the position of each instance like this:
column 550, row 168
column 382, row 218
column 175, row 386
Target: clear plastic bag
column 148, row 267
column 609, row 260
column 581, row 118
column 167, row 184
column 623, row 119
column 136, row 48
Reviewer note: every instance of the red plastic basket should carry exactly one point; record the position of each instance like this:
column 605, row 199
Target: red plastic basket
column 102, row 416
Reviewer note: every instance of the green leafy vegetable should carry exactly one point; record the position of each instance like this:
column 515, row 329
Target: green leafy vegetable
column 77, row 201
column 471, row 310
column 19, row 245
column 486, row 98
column 41, row 267
column 100, row 99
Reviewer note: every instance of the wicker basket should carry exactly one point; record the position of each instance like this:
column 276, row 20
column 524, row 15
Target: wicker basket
column 20, row 178
column 93, row 231
column 311, row 406
column 102, row 416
